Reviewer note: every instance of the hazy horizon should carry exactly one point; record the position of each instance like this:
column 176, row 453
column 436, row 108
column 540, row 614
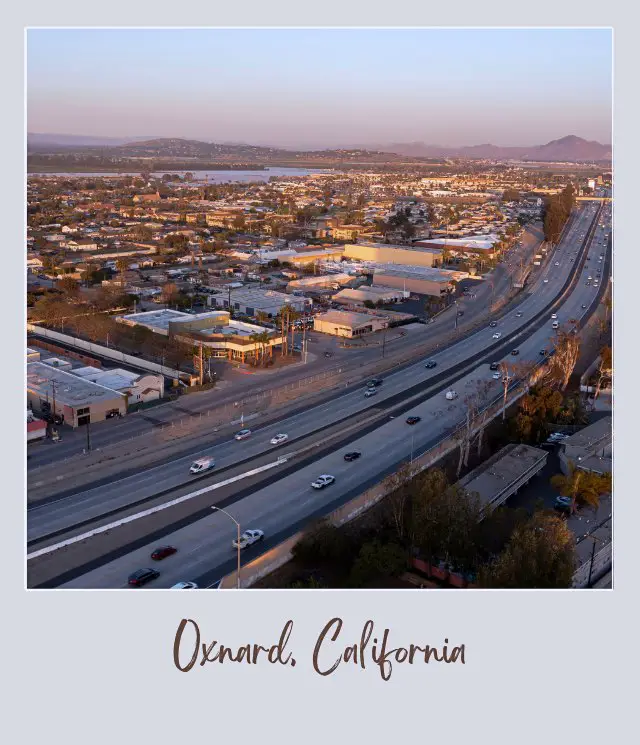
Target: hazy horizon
column 313, row 88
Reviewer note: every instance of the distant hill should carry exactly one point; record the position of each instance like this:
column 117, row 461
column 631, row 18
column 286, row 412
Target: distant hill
column 39, row 140
column 570, row 148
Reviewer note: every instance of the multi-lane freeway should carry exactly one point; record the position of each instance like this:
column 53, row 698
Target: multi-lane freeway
column 280, row 499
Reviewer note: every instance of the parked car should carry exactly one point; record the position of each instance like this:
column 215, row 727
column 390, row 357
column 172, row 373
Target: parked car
column 243, row 434
column 248, row 538
column 562, row 504
column 353, row 455
column 413, row 419
column 162, row 552
column 185, row 586
column 431, row 364
column 279, row 438
column 142, row 576
column 322, row 481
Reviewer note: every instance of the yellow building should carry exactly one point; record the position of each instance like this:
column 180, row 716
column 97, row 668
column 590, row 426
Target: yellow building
column 390, row 254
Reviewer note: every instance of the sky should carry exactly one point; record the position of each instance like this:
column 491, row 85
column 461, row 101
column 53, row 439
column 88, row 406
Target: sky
column 323, row 88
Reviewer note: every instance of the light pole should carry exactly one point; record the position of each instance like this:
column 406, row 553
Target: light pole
column 455, row 307
column 224, row 512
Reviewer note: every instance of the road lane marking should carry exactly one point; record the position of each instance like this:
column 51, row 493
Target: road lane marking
column 159, row 508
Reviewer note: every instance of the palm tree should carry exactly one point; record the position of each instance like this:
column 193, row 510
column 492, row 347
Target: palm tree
column 583, row 485
column 122, row 264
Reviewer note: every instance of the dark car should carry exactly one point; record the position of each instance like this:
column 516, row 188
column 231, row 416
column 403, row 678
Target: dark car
column 494, row 366
column 515, row 352
column 328, row 354
column 562, row 504
column 374, row 383
column 493, row 324
column 142, row 576
column 431, row 364
column 543, row 352
column 162, row 552
column 352, row 456
column 460, row 312
column 413, row 419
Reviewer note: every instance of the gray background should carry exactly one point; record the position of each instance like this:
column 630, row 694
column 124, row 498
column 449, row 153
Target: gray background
column 94, row 667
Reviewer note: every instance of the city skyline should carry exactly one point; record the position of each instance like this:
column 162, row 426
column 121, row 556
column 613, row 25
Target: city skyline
column 306, row 88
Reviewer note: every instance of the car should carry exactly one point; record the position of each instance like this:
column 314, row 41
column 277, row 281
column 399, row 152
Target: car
column 370, row 392
column 202, row 464
column 162, row 552
column 184, row 586
column 431, row 364
column 243, row 434
column 460, row 312
column 573, row 320
column 588, row 284
column 515, row 352
column 519, row 314
column 589, row 277
column 496, row 376
column 413, row 419
column 322, row 481
column 142, row 576
column 562, row 504
column 248, row 538
column 493, row 324
column 374, row 383
column 543, row 352
column 557, row 263
column 279, row 438
column 451, row 395
column 297, row 348
column 554, row 316
column 494, row 366
column 497, row 335
column 328, row 354
column 353, row 455
column 584, row 307
column 545, row 281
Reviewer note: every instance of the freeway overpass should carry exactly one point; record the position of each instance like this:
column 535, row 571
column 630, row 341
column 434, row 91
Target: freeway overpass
column 283, row 502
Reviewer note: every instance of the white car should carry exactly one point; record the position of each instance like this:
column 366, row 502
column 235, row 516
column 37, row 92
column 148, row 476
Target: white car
column 370, row 392
column 545, row 281
column 554, row 316
column 322, row 481
column 519, row 314
column 450, row 395
column 243, row 434
column 185, row 586
column 279, row 438
column 496, row 376
column 557, row 263
column 248, row 538
column 497, row 335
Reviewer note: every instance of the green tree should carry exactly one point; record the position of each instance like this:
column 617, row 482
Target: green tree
column 539, row 555
column 375, row 561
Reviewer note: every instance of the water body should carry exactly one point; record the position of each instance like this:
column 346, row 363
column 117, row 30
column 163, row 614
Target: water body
column 209, row 177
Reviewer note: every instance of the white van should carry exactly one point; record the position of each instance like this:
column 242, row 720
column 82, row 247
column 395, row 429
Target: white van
column 202, row 464
column 554, row 325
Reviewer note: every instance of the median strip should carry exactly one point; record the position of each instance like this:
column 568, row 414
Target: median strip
column 152, row 510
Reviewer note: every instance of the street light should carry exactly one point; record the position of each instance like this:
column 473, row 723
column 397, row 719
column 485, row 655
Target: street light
column 224, row 512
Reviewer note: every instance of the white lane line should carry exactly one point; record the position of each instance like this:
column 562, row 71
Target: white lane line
column 152, row 510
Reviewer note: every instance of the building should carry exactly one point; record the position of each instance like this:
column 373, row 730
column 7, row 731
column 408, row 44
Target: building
column 78, row 401
column 136, row 387
column 507, row 471
column 392, row 254
column 347, row 232
column 252, row 301
column 215, row 330
column 319, row 282
column 417, row 279
column 364, row 293
column 589, row 449
column 349, row 325
column 147, row 197
column 312, row 256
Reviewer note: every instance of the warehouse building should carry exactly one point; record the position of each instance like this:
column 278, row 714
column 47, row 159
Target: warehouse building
column 78, row 401
column 391, row 254
column 349, row 325
column 418, row 280
column 589, row 449
column 251, row 301
column 374, row 295
column 137, row 388
column 319, row 282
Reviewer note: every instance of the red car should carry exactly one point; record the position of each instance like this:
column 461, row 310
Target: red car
column 163, row 552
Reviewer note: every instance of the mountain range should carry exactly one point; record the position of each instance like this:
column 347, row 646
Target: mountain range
column 570, row 148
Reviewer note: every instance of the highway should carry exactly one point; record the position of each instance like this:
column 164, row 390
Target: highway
column 281, row 504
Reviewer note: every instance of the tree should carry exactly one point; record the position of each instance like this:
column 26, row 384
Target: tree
column 69, row 287
column 169, row 293
column 397, row 502
column 539, row 555
column 582, row 486
column 376, row 560
column 323, row 543
column 563, row 362
column 122, row 264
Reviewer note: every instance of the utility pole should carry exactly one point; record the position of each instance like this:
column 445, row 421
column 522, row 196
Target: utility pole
column 384, row 339
column 455, row 304
column 88, row 434
column 201, row 366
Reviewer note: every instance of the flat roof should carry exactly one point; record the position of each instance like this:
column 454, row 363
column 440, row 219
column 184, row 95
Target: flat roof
column 255, row 297
column 345, row 318
column 70, row 390
column 417, row 249
column 418, row 272
column 595, row 435
column 492, row 479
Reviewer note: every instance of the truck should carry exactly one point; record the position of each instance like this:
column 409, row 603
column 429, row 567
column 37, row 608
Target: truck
column 538, row 256
column 536, row 263
column 201, row 465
